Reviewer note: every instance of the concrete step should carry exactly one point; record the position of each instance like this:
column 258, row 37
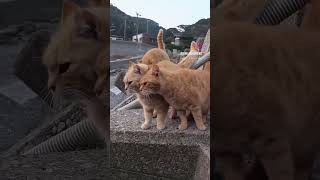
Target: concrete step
column 18, row 92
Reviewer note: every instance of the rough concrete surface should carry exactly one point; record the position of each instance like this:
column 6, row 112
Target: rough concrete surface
column 20, row 109
column 126, row 127
column 90, row 164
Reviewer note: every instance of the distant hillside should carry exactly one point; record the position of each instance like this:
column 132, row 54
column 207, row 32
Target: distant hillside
column 199, row 29
column 118, row 21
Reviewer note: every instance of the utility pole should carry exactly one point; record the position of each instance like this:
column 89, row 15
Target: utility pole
column 137, row 25
column 125, row 29
column 148, row 26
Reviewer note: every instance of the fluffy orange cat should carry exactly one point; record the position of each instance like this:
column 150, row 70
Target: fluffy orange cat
column 265, row 99
column 183, row 89
column 151, row 103
column 192, row 56
column 76, row 57
column 154, row 105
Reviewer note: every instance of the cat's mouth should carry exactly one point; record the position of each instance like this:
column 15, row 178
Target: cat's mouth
column 131, row 91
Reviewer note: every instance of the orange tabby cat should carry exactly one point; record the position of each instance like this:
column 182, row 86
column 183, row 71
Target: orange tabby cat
column 76, row 56
column 150, row 103
column 75, row 48
column 266, row 99
column 183, row 89
column 154, row 105
column 192, row 56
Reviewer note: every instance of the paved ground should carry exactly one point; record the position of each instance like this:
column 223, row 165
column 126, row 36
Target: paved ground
column 20, row 109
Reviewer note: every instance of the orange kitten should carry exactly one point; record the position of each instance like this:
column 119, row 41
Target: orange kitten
column 184, row 89
column 192, row 56
column 150, row 103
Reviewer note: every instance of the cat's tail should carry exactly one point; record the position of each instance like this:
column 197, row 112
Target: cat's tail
column 160, row 40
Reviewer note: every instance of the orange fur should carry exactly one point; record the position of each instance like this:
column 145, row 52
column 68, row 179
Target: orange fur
column 160, row 42
column 177, row 88
column 75, row 49
column 265, row 97
column 192, row 56
column 238, row 10
column 153, row 56
column 76, row 59
column 151, row 104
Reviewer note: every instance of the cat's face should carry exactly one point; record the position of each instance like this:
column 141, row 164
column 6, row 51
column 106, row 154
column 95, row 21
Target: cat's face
column 72, row 53
column 132, row 77
column 150, row 82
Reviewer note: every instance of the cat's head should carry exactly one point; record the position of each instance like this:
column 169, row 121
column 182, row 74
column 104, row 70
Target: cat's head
column 133, row 76
column 72, row 52
column 150, row 82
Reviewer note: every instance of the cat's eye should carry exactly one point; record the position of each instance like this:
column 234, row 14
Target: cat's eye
column 88, row 32
column 144, row 83
column 129, row 82
column 63, row 67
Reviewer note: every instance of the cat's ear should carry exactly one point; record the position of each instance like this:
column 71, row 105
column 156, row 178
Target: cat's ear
column 194, row 46
column 155, row 70
column 137, row 69
column 67, row 9
column 97, row 3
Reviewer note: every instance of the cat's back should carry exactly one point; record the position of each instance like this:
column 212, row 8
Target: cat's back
column 155, row 55
column 168, row 65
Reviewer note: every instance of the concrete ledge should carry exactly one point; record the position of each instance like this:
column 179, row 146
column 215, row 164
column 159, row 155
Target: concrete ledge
column 127, row 162
column 126, row 127
column 188, row 151
column 70, row 165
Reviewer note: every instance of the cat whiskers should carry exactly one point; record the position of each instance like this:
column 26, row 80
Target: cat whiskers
column 47, row 97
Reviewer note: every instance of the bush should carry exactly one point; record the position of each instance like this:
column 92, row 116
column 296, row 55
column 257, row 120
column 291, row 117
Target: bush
column 172, row 46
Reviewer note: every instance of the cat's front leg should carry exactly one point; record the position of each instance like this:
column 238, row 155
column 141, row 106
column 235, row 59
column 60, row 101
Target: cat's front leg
column 161, row 118
column 277, row 158
column 183, row 118
column 197, row 116
column 148, row 112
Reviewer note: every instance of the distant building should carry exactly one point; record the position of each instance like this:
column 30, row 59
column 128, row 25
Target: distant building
column 116, row 37
column 177, row 41
column 144, row 38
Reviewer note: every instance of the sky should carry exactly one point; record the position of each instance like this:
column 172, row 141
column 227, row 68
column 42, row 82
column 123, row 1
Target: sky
column 168, row 13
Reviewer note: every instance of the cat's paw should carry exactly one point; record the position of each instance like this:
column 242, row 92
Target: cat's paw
column 161, row 126
column 202, row 127
column 145, row 126
column 183, row 127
